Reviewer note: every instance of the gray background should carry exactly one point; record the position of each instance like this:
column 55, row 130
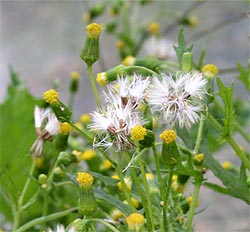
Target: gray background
column 43, row 40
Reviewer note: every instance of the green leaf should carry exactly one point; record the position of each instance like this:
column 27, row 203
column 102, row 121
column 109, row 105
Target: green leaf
column 217, row 188
column 116, row 203
column 226, row 95
column 17, row 134
column 244, row 76
column 236, row 187
column 181, row 46
column 108, row 181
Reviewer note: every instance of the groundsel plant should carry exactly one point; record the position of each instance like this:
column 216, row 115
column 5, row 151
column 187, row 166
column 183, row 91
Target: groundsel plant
column 127, row 165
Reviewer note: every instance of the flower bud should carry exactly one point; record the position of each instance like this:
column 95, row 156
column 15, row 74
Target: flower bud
column 104, row 78
column 66, row 158
column 74, row 84
column 135, row 222
column 61, row 140
column 198, row 159
column 61, row 111
column 170, row 153
column 87, row 203
column 42, row 179
column 210, row 71
column 187, row 62
column 90, row 51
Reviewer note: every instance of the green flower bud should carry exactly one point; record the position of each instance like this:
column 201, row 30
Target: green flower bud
column 86, row 203
column 110, row 75
column 42, row 179
column 90, row 51
column 61, row 111
column 74, row 84
column 170, row 153
column 187, row 62
column 66, row 158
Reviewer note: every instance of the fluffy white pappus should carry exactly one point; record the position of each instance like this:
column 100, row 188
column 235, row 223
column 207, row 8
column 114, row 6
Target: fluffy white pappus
column 178, row 101
column 162, row 48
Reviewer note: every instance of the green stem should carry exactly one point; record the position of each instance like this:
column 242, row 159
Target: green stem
column 93, row 85
column 124, row 188
column 167, row 194
column 193, row 205
column 231, row 141
column 141, row 193
column 43, row 219
column 83, row 133
column 160, row 182
column 145, row 183
column 199, row 136
column 237, row 126
column 132, row 69
column 71, row 100
column 18, row 213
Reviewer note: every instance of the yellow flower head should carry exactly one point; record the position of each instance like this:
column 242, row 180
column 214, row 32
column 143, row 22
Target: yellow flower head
column 106, row 165
column 120, row 44
column 150, row 176
column 93, row 30
column 116, row 214
column 39, row 162
column 190, row 199
column 85, row 118
column 89, row 154
column 115, row 177
column 128, row 61
column 51, row 96
column 101, row 79
column 85, row 179
column 138, row 133
column 168, row 136
column 193, row 21
column 74, row 75
column 134, row 202
column 210, row 70
column 65, row 128
column 199, row 158
column 135, row 221
column 128, row 184
column 154, row 28
column 227, row 165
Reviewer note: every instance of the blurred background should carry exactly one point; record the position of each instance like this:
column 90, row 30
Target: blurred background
column 42, row 41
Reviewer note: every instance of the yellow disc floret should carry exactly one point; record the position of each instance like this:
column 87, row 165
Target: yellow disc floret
column 168, row 136
column 85, row 179
column 93, row 30
column 65, row 128
column 74, row 75
column 190, row 199
column 227, row 165
column 138, row 133
column 106, row 164
column 89, row 154
column 154, row 28
column 85, row 118
column 199, row 158
column 128, row 61
column 101, row 79
column 120, row 44
column 150, row 176
column 51, row 96
column 135, row 221
column 210, row 70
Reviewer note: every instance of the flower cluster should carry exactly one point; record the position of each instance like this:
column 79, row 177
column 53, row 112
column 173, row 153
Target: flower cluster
column 113, row 125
